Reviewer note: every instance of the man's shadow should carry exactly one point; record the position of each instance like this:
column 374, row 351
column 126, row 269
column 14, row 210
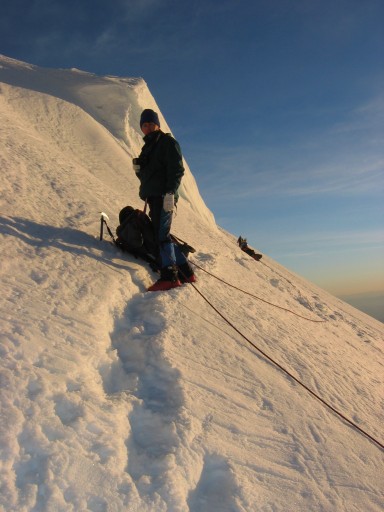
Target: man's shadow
column 65, row 239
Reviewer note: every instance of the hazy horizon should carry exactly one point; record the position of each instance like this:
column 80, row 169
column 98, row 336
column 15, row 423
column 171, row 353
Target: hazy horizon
column 370, row 303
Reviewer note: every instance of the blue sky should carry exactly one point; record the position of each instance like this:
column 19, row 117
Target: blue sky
column 278, row 107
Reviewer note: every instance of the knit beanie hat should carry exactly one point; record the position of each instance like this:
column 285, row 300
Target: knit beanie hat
column 149, row 116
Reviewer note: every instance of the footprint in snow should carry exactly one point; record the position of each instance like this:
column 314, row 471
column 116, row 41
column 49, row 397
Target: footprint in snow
column 216, row 489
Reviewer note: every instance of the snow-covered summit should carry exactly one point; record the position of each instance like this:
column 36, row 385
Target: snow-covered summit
column 114, row 399
column 114, row 103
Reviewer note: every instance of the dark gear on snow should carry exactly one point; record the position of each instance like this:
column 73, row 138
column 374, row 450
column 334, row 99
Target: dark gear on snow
column 135, row 235
column 244, row 247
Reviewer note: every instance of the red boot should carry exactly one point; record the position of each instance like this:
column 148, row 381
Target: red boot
column 190, row 279
column 186, row 274
column 167, row 281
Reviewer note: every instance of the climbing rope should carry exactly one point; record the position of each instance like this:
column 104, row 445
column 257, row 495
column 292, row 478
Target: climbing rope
column 278, row 365
column 255, row 296
column 264, row 354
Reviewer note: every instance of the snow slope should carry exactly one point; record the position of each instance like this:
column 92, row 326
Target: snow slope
column 114, row 399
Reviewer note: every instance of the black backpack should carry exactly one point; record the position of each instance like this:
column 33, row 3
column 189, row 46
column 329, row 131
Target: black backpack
column 135, row 235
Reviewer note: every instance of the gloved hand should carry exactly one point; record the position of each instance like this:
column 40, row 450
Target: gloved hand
column 136, row 165
column 169, row 202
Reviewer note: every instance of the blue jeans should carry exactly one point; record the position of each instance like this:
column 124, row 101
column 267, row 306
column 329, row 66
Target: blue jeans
column 169, row 252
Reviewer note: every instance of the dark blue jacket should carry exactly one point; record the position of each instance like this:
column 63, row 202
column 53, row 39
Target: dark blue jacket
column 161, row 165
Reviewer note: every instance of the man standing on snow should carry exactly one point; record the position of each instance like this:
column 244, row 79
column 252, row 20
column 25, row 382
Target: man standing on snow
column 160, row 169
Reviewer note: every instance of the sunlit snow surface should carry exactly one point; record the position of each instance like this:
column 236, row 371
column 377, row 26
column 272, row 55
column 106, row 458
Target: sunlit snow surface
column 114, row 399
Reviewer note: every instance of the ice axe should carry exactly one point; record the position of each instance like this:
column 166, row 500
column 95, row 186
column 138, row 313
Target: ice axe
column 103, row 220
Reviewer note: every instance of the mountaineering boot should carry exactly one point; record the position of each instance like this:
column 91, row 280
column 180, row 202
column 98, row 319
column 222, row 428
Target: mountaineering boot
column 168, row 280
column 186, row 274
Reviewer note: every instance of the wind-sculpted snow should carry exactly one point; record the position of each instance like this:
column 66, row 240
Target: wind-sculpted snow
column 114, row 103
column 114, row 399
